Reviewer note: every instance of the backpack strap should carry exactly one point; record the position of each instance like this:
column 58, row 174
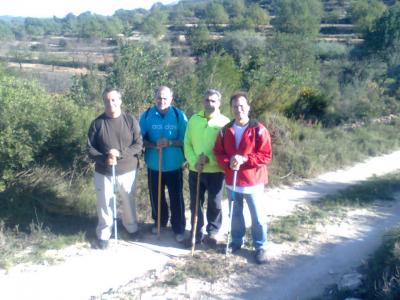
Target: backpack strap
column 230, row 124
column 146, row 113
column 176, row 114
column 223, row 130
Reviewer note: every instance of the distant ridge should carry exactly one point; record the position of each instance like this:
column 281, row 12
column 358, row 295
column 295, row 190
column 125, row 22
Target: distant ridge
column 10, row 18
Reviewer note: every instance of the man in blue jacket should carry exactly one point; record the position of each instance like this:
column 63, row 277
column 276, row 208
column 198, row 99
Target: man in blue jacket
column 163, row 129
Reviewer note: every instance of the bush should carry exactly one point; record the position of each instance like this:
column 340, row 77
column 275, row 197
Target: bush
column 38, row 128
column 332, row 50
column 46, row 195
column 138, row 70
column 310, row 106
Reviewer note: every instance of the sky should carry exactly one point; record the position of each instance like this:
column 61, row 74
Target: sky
column 60, row 8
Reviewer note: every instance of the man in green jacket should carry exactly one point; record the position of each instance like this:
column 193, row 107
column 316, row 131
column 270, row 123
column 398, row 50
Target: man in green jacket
column 200, row 136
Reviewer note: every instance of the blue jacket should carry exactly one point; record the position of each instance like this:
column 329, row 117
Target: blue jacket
column 171, row 126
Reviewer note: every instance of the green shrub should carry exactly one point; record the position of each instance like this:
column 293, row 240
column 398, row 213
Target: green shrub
column 25, row 124
column 302, row 150
column 37, row 127
column 332, row 50
column 44, row 195
column 311, row 105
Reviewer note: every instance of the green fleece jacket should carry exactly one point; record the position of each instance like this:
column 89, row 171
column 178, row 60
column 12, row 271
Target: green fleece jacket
column 200, row 138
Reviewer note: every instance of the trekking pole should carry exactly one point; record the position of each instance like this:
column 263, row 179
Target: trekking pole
column 160, row 152
column 231, row 210
column 114, row 184
column 196, row 212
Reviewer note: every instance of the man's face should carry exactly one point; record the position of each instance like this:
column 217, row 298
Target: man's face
column 240, row 108
column 112, row 102
column 163, row 100
column 211, row 104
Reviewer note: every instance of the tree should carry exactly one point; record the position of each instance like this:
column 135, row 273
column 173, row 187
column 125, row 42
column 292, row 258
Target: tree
column 155, row 23
column 244, row 46
column 69, row 25
column 34, row 26
column 138, row 70
column 6, row 33
column 18, row 28
column 298, row 17
column 257, row 15
column 365, row 13
column 86, row 88
column 235, row 8
column 129, row 19
column 180, row 14
column 385, row 34
column 199, row 39
column 275, row 79
column 219, row 71
column 94, row 26
column 20, row 53
column 216, row 14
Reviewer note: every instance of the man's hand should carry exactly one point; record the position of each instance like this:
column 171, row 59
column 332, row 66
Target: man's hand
column 201, row 161
column 236, row 161
column 112, row 156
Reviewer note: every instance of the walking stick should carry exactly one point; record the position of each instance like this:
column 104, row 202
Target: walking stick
column 160, row 152
column 231, row 210
column 196, row 212
column 114, row 184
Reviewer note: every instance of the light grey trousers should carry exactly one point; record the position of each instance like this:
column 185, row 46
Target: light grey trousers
column 126, row 187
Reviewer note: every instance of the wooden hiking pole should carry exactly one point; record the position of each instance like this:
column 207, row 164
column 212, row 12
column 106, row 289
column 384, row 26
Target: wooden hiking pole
column 196, row 212
column 160, row 152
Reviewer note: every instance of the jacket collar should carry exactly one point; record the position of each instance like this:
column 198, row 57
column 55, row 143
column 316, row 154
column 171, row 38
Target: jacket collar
column 252, row 123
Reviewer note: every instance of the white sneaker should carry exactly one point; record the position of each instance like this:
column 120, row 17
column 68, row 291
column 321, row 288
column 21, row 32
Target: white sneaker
column 180, row 237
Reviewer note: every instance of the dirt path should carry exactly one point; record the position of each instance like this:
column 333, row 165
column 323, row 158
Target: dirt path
column 305, row 272
column 291, row 274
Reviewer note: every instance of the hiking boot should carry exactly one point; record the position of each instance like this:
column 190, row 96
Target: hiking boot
column 260, row 256
column 179, row 237
column 211, row 240
column 102, row 244
column 235, row 247
column 134, row 236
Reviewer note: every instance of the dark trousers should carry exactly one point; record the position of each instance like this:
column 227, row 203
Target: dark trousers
column 213, row 183
column 174, row 182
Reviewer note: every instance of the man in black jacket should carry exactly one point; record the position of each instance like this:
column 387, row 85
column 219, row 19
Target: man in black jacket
column 114, row 139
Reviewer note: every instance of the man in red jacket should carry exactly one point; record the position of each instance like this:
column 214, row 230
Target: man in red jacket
column 244, row 146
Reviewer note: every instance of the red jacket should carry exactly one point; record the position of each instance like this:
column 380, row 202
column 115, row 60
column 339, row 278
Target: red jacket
column 257, row 150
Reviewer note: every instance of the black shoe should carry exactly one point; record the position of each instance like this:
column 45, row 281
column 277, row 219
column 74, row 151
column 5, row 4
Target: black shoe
column 234, row 247
column 103, row 244
column 260, row 256
column 134, row 236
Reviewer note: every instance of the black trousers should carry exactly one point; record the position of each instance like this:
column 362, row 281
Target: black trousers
column 174, row 182
column 213, row 183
